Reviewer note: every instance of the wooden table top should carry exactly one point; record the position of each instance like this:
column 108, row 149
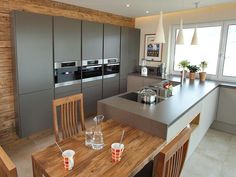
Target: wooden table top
column 140, row 148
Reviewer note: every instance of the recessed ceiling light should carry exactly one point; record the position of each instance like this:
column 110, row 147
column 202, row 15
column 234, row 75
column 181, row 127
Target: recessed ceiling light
column 127, row 5
column 147, row 12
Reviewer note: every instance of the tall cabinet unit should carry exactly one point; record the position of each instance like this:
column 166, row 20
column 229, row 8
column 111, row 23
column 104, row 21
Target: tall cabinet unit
column 111, row 50
column 92, row 48
column 67, row 47
column 34, row 72
column 130, row 41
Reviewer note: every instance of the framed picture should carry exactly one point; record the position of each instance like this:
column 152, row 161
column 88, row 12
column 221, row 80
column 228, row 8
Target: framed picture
column 152, row 52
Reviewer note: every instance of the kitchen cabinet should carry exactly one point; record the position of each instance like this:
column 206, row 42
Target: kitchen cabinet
column 208, row 112
column 67, row 39
column 110, row 86
column 92, row 40
column 68, row 90
column 35, row 112
column 225, row 120
column 130, row 40
column 136, row 82
column 123, row 85
column 92, row 92
column 34, row 72
column 34, row 62
column 111, row 41
column 226, row 108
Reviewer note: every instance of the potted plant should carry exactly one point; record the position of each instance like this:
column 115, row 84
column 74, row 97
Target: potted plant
column 192, row 70
column 202, row 74
column 183, row 64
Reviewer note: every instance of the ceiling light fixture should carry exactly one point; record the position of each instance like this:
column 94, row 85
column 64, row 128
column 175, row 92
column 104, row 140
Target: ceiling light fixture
column 195, row 35
column 180, row 36
column 147, row 12
column 127, row 5
column 160, row 35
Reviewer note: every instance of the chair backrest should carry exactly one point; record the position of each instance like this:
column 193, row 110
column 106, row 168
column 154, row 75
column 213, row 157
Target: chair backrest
column 68, row 109
column 169, row 162
column 7, row 167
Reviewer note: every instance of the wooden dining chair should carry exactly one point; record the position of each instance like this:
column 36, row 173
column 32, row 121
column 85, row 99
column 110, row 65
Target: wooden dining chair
column 7, row 167
column 169, row 162
column 67, row 109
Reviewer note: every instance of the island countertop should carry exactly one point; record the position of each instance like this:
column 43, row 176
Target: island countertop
column 159, row 117
column 168, row 111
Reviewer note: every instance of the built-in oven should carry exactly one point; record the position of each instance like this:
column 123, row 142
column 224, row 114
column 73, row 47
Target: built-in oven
column 91, row 70
column 111, row 67
column 67, row 73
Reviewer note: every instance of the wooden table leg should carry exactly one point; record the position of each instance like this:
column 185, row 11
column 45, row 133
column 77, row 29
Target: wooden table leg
column 36, row 170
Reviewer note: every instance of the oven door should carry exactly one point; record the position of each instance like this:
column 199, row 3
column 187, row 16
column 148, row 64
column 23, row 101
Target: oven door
column 111, row 70
column 91, row 73
column 67, row 76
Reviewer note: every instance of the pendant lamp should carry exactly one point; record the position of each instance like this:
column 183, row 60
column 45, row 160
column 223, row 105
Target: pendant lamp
column 195, row 36
column 160, row 36
column 180, row 37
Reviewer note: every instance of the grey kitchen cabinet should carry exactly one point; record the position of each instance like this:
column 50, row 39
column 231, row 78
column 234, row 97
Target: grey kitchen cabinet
column 226, row 108
column 111, row 41
column 92, row 40
column 123, row 85
column 134, row 45
column 110, row 86
column 130, row 41
column 68, row 90
column 67, row 39
column 124, row 53
column 34, row 72
column 33, row 41
column 92, row 92
column 35, row 112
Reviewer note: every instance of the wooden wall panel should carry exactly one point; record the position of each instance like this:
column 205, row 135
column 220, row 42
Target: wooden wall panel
column 7, row 112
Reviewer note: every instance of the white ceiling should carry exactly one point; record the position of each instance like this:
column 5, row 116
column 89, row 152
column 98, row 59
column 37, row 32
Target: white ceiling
column 138, row 8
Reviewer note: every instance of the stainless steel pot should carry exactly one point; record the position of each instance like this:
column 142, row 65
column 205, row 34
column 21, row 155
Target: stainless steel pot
column 148, row 95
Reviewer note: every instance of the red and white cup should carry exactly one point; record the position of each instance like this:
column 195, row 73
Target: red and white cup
column 68, row 157
column 116, row 151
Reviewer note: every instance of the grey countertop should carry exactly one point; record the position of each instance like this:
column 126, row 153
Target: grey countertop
column 168, row 111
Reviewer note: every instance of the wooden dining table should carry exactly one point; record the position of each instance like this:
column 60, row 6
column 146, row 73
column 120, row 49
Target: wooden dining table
column 140, row 148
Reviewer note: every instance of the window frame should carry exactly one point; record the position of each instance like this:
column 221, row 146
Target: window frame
column 221, row 77
column 199, row 25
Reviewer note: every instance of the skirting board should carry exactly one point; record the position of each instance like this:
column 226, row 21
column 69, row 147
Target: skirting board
column 229, row 128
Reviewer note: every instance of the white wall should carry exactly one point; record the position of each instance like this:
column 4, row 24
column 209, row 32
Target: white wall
column 148, row 24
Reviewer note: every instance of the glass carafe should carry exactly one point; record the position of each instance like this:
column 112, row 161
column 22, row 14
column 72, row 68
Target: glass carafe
column 97, row 135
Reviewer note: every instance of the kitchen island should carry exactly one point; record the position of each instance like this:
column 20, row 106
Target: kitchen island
column 193, row 103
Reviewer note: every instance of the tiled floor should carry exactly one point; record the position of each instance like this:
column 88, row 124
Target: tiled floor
column 214, row 157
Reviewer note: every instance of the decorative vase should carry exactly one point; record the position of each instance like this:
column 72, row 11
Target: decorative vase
column 191, row 76
column 181, row 73
column 202, row 76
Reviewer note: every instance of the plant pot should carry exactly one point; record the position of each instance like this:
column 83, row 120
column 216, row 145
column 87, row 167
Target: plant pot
column 202, row 76
column 191, row 76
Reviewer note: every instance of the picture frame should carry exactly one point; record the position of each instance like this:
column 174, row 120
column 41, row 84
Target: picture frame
column 152, row 52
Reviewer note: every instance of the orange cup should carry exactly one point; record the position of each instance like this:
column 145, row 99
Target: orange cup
column 116, row 151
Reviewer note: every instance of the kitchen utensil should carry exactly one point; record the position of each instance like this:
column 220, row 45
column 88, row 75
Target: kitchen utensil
column 148, row 95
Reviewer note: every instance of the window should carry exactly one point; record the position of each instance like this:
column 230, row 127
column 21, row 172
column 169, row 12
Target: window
column 230, row 54
column 208, row 48
column 217, row 46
